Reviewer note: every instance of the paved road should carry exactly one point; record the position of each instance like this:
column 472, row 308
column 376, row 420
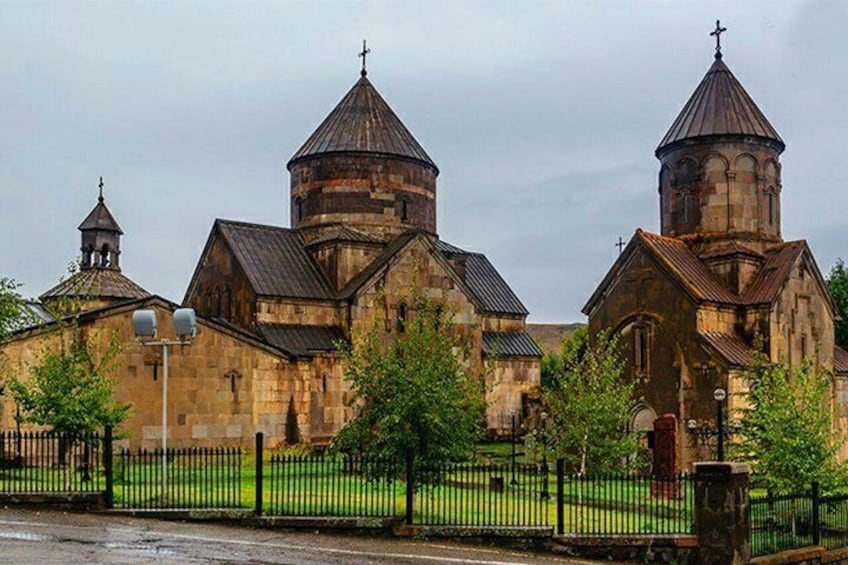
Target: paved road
column 67, row 538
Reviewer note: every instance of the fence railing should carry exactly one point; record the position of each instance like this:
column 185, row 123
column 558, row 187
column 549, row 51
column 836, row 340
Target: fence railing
column 50, row 462
column 333, row 485
column 178, row 478
column 627, row 504
column 466, row 494
column 788, row 521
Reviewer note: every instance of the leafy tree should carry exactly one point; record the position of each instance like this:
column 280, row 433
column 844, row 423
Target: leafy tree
column 589, row 408
column 572, row 347
column 837, row 282
column 69, row 388
column 413, row 393
column 787, row 427
column 13, row 312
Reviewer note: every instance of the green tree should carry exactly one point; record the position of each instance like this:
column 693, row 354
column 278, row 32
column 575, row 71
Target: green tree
column 414, row 393
column 589, row 408
column 69, row 389
column 787, row 432
column 837, row 282
column 571, row 348
column 14, row 314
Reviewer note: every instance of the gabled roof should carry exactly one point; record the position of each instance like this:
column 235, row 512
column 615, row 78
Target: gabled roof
column 299, row 340
column 482, row 281
column 510, row 344
column 678, row 260
column 777, row 267
column 275, row 260
column 100, row 218
column 343, row 233
column 719, row 107
column 362, row 122
column 96, row 283
column 730, row 347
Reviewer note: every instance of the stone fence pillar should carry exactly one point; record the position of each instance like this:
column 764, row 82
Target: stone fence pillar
column 722, row 517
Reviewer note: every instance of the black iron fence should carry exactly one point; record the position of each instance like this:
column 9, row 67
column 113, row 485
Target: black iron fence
column 334, row 485
column 464, row 494
column 788, row 521
column 603, row 505
column 178, row 478
column 50, row 462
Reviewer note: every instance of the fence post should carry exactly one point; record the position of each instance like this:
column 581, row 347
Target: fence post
column 560, row 499
column 257, row 509
column 722, row 513
column 108, row 468
column 410, row 482
column 816, row 513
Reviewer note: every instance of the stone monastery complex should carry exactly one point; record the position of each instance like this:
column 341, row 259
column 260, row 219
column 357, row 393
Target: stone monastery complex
column 690, row 303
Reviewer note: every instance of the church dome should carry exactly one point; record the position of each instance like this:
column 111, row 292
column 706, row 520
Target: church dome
column 362, row 122
column 719, row 107
column 362, row 169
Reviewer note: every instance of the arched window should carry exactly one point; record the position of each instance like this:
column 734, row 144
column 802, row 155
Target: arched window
column 641, row 350
column 218, row 303
column 771, row 208
column 105, row 259
column 87, row 256
column 687, row 204
column 225, row 304
column 402, row 312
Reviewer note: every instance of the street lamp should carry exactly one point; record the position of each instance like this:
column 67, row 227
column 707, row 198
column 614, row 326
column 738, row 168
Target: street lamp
column 146, row 330
column 545, row 494
column 513, row 481
column 719, row 394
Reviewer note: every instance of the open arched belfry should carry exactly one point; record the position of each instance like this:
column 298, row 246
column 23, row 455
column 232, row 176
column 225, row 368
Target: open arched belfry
column 693, row 302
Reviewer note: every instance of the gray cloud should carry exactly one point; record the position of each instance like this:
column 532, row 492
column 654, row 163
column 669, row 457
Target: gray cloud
column 543, row 118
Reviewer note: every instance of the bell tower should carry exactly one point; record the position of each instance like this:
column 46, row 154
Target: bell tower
column 101, row 238
column 719, row 177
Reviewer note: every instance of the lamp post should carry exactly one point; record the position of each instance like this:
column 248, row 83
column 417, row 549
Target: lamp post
column 719, row 394
column 545, row 494
column 146, row 330
column 513, row 481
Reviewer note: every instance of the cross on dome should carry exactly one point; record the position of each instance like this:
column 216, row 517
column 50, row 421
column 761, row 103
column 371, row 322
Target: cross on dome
column 717, row 34
column 362, row 55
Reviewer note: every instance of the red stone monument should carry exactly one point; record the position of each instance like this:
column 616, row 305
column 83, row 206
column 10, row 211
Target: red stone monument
column 664, row 483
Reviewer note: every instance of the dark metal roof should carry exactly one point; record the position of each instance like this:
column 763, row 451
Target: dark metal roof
column 731, row 347
column 840, row 360
column 275, row 261
column 510, row 344
column 776, row 269
column 301, row 340
column 489, row 287
column 720, row 106
column 362, row 122
column 679, row 259
column 100, row 218
column 97, row 283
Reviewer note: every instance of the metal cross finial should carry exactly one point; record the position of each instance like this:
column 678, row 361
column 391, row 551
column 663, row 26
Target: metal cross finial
column 364, row 52
column 620, row 245
column 717, row 33
column 100, row 198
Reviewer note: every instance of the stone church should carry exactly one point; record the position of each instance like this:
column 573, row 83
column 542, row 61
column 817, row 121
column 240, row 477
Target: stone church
column 691, row 302
column 273, row 302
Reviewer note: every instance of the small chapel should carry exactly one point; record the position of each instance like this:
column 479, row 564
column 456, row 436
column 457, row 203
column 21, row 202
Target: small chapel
column 692, row 303
column 275, row 302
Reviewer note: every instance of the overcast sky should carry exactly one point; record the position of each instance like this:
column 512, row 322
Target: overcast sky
column 542, row 116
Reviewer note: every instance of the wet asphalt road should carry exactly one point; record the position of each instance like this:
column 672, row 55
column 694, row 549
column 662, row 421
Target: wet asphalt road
column 29, row 536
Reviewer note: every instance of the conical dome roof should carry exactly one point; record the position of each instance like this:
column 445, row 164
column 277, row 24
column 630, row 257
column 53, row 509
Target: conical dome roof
column 362, row 122
column 718, row 107
column 100, row 218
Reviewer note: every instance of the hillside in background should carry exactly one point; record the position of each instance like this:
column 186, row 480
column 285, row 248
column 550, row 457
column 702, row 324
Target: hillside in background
column 550, row 336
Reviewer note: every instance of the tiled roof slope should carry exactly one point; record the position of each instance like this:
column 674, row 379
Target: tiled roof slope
column 688, row 269
column 720, row 106
column 276, row 261
column 731, row 347
column 773, row 274
column 510, row 344
column 97, row 283
column 362, row 122
column 490, row 288
column 840, row 360
column 301, row 340
column 100, row 218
